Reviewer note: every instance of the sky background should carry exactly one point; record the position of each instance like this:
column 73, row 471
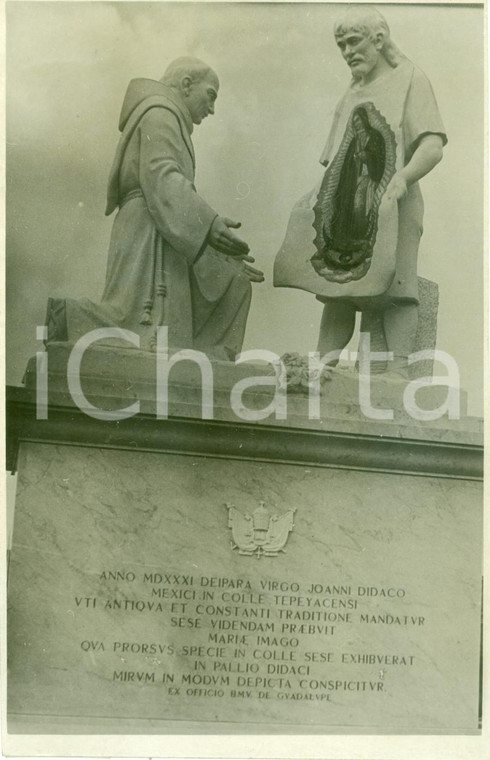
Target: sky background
column 68, row 66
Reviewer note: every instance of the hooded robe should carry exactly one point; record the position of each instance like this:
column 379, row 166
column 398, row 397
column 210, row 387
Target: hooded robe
column 160, row 270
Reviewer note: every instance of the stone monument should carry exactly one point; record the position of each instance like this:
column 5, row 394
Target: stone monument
column 196, row 548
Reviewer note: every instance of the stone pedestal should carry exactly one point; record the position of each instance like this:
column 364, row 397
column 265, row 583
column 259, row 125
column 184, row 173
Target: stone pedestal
column 217, row 576
column 426, row 335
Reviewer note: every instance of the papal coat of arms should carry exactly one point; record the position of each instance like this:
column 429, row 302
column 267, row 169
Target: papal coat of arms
column 260, row 533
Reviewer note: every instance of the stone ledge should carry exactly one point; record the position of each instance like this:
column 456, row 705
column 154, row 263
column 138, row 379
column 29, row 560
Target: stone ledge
column 67, row 424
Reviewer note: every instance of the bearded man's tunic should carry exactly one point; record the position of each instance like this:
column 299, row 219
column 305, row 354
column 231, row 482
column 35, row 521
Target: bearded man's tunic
column 160, row 270
column 401, row 106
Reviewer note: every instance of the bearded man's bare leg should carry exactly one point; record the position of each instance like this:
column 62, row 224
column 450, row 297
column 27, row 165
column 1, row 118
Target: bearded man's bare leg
column 336, row 327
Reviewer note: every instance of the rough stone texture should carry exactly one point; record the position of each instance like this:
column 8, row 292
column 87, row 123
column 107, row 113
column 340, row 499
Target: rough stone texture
column 425, row 338
column 82, row 512
column 427, row 325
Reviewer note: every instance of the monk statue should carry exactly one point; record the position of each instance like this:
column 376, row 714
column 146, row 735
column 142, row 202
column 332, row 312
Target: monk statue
column 172, row 259
column 353, row 241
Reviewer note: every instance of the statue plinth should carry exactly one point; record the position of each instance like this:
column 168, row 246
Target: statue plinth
column 225, row 576
column 113, row 377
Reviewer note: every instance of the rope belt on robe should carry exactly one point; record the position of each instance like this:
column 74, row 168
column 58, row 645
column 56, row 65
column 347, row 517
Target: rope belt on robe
column 158, row 277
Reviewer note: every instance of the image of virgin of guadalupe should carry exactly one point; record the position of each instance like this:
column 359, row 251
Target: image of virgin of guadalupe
column 346, row 211
column 362, row 170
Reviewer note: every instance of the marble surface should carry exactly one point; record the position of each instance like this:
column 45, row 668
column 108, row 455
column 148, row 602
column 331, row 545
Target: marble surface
column 85, row 512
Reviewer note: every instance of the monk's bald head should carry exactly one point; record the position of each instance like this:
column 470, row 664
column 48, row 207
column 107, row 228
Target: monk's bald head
column 196, row 84
column 187, row 66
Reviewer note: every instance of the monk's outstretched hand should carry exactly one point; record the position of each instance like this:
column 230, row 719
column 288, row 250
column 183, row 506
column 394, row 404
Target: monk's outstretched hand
column 254, row 275
column 223, row 239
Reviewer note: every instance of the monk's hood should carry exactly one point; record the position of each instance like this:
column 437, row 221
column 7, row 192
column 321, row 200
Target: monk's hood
column 142, row 95
column 141, row 89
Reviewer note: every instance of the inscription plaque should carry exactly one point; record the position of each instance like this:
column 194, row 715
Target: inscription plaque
column 127, row 601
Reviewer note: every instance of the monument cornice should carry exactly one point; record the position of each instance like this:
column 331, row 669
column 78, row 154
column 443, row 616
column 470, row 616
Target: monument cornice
column 69, row 425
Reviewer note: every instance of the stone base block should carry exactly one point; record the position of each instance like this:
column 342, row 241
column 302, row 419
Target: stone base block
column 153, row 593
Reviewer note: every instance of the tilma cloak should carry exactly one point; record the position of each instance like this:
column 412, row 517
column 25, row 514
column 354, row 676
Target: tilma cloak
column 404, row 101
